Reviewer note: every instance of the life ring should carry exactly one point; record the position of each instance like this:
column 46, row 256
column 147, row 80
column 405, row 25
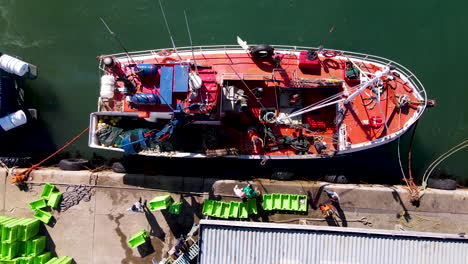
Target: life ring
column 164, row 53
column 329, row 53
column 376, row 121
column 168, row 60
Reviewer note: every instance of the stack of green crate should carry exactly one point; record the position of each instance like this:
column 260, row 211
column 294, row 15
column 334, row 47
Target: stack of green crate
column 49, row 197
column 285, row 202
column 231, row 209
column 22, row 244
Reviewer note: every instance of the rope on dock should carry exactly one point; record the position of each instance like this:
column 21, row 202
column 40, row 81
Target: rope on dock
column 20, row 177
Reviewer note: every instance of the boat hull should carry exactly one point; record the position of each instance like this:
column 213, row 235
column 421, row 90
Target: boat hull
column 284, row 107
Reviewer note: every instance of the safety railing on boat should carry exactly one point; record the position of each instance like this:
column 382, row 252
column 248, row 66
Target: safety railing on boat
column 406, row 74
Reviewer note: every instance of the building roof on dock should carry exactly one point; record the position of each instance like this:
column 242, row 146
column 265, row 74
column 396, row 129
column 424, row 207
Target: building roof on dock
column 254, row 242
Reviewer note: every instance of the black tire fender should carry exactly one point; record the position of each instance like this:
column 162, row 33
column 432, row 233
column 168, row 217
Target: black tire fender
column 282, row 175
column 73, row 164
column 336, row 179
column 442, row 184
column 262, row 51
column 118, row 167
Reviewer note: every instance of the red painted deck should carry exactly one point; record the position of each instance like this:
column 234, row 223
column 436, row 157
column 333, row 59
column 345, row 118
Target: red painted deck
column 281, row 79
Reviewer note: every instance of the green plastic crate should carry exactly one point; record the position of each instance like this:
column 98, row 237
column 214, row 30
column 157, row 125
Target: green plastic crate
column 52, row 260
column 3, row 221
column 224, row 210
column 10, row 230
column 276, row 197
column 47, row 191
column 35, row 246
column 54, row 199
column 9, row 261
column 9, row 250
column 175, row 208
column 160, row 202
column 62, row 260
column 38, row 204
column 25, row 260
column 294, row 202
column 217, row 209
column 43, row 258
column 29, row 228
column 285, row 202
column 234, row 208
column 252, row 206
column 43, row 216
column 138, row 239
column 243, row 211
column 208, row 207
column 303, row 203
column 267, row 202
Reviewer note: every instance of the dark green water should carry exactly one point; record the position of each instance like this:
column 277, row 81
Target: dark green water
column 63, row 39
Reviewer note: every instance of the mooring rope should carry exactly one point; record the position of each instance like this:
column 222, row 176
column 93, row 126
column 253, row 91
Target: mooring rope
column 21, row 176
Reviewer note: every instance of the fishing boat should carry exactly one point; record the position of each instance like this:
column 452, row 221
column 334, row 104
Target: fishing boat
column 252, row 102
column 13, row 73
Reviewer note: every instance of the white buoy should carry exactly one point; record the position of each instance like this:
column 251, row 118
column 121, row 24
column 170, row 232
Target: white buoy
column 13, row 65
column 107, row 86
column 13, row 120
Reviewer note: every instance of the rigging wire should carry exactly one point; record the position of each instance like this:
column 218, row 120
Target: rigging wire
column 441, row 158
column 168, row 30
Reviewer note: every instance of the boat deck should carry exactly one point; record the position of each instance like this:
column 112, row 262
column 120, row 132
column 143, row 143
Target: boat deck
column 288, row 83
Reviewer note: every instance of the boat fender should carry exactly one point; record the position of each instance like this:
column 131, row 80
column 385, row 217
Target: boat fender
column 73, row 164
column 13, row 120
column 107, row 86
column 195, row 82
column 164, row 53
column 13, row 65
column 108, row 61
column 262, row 51
column 329, row 53
column 376, row 121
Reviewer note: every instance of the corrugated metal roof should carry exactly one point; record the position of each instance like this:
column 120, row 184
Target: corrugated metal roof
column 268, row 243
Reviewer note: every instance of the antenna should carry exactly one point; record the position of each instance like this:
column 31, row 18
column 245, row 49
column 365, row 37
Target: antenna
column 118, row 40
column 168, row 30
column 191, row 44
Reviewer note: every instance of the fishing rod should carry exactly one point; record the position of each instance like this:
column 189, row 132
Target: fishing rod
column 168, row 30
column 118, row 40
column 191, row 44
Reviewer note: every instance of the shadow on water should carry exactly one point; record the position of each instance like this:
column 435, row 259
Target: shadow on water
column 370, row 166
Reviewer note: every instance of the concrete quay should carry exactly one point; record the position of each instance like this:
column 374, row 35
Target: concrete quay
column 97, row 231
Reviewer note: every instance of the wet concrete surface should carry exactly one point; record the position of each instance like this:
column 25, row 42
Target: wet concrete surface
column 97, row 231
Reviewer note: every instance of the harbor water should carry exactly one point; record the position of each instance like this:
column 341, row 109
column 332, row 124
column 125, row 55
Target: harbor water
column 63, row 39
